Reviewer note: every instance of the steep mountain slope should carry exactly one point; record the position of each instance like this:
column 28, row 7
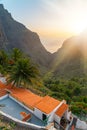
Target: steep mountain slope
column 15, row 35
column 71, row 58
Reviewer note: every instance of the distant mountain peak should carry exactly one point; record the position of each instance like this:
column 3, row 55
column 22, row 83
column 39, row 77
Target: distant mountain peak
column 71, row 58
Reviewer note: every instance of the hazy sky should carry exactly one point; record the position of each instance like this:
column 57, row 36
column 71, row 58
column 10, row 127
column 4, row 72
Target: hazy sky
column 53, row 20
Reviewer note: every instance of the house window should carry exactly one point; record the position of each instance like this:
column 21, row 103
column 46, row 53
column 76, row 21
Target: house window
column 44, row 117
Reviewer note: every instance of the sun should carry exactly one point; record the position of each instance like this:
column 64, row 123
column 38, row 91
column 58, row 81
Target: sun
column 79, row 27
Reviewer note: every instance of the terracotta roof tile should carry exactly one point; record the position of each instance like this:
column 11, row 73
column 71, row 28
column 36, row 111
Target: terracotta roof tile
column 61, row 110
column 2, row 89
column 47, row 104
column 25, row 96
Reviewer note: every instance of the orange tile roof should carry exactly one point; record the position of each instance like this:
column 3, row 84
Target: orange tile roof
column 61, row 110
column 47, row 104
column 2, row 89
column 25, row 96
column 3, row 86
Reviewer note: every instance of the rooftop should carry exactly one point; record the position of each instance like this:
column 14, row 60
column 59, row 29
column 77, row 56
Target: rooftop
column 25, row 96
column 47, row 104
column 61, row 110
column 2, row 89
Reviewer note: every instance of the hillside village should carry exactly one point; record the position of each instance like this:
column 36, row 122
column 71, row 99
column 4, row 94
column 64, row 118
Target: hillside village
column 52, row 112
column 40, row 90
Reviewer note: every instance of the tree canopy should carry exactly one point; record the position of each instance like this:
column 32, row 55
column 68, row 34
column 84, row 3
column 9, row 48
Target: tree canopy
column 23, row 73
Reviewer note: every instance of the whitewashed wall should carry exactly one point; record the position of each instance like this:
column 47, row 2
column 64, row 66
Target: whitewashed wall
column 21, row 123
column 38, row 113
column 67, row 115
column 3, row 97
column 57, row 118
column 51, row 117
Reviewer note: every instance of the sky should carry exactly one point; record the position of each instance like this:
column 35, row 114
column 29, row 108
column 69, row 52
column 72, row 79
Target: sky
column 53, row 20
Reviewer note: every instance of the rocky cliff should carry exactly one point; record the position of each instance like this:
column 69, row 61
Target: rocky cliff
column 15, row 35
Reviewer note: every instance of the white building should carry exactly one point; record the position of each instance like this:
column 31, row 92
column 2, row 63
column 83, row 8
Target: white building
column 45, row 108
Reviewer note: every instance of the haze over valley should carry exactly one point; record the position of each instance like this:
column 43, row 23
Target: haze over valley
column 43, row 47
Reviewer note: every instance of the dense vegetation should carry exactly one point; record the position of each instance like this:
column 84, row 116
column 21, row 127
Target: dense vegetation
column 19, row 70
column 74, row 91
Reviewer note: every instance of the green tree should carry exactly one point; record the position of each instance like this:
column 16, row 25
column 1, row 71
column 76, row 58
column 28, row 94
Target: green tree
column 2, row 69
column 16, row 55
column 23, row 73
column 77, row 91
column 3, row 62
column 3, row 58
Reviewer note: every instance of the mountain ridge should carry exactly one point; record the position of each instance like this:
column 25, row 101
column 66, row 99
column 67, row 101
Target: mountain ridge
column 15, row 35
column 71, row 58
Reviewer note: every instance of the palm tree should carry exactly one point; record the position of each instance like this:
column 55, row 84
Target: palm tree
column 2, row 71
column 14, row 57
column 3, row 62
column 23, row 73
column 16, row 54
column 3, row 58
